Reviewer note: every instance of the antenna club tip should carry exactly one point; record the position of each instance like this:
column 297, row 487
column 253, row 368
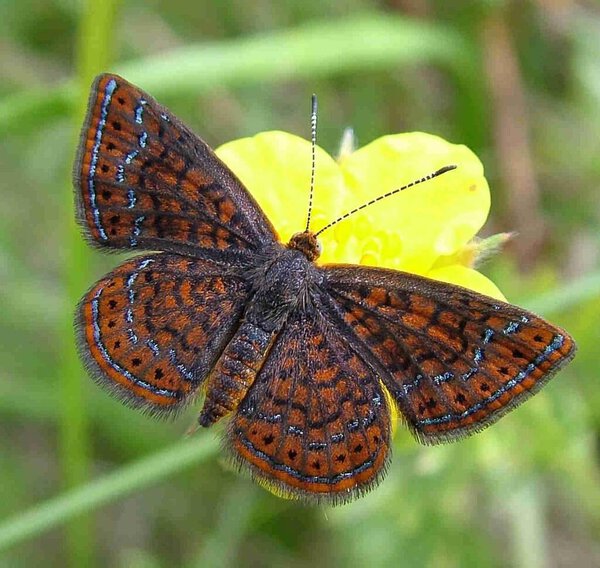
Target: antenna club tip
column 446, row 169
column 313, row 102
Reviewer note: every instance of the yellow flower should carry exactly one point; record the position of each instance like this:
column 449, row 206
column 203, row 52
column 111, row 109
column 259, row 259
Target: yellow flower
column 427, row 229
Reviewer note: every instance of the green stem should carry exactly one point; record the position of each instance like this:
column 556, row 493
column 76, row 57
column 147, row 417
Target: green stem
column 124, row 481
column 93, row 54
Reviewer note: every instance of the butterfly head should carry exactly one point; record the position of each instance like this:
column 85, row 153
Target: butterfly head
column 306, row 242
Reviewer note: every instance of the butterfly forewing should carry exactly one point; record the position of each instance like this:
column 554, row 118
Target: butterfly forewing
column 152, row 329
column 453, row 360
column 145, row 181
column 315, row 424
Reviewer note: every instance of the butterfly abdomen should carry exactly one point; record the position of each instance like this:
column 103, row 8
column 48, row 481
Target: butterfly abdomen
column 235, row 371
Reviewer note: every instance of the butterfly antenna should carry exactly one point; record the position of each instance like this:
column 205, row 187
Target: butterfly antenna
column 388, row 194
column 313, row 144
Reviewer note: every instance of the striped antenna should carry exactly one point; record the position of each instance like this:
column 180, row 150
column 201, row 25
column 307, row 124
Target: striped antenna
column 388, row 194
column 313, row 144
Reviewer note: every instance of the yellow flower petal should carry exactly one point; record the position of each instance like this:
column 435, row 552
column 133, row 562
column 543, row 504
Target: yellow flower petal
column 275, row 167
column 467, row 278
column 421, row 223
column 410, row 231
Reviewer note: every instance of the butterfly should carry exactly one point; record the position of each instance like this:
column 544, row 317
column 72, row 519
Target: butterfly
column 305, row 360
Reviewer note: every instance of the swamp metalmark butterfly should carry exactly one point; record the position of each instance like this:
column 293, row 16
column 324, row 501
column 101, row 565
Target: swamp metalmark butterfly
column 296, row 354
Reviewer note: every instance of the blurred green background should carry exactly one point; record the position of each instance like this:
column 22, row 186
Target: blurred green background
column 87, row 482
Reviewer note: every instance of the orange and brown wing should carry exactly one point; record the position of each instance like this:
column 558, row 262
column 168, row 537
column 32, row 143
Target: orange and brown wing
column 144, row 180
column 315, row 424
column 152, row 329
column 453, row 360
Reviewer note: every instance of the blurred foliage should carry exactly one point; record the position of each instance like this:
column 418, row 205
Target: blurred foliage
column 519, row 82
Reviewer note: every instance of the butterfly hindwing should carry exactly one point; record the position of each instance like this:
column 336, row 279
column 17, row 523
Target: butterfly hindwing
column 144, row 180
column 453, row 360
column 152, row 329
column 315, row 424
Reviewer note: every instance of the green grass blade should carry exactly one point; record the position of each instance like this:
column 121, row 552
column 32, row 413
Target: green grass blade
column 93, row 53
column 567, row 296
column 309, row 51
column 124, row 481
